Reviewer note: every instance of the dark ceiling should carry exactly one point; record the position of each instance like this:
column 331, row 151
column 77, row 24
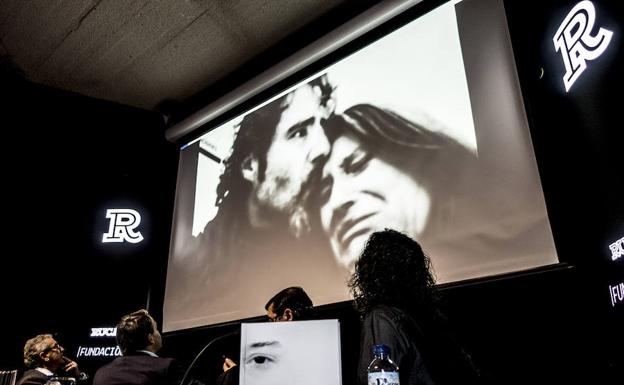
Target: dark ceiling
column 150, row 53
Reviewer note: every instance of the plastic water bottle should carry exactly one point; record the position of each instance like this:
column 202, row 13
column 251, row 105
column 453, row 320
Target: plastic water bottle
column 382, row 371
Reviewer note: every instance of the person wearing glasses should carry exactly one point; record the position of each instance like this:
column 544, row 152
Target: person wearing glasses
column 290, row 304
column 44, row 358
column 139, row 340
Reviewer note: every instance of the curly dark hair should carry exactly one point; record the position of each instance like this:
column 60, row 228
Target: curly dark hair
column 254, row 137
column 393, row 270
column 133, row 331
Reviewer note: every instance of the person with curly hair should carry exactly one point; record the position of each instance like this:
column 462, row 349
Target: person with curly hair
column 261, row 223
column 395, row 292
column 276, row 149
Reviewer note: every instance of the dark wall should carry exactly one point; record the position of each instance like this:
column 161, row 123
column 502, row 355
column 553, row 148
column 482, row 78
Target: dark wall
column 66, row 159
column 577, row 134
column 578, row 141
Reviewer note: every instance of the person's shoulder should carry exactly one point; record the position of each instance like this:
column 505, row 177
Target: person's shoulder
column 133, row 358
column 32, row 372
column 134, row 361
column 167, row 361
column 389, row 317
column 163, row 362
column 108, row 366
column 32, row 377
column 381, row 312
column 146, row 358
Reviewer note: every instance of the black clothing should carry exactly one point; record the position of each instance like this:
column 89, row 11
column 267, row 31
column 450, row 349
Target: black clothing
column 231, row 377
column 139, row 369
column 33, row 377
column 425, row 354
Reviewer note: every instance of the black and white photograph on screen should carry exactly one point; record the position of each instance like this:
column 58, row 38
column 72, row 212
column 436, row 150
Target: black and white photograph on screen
column 293, row 353
column 288, row 193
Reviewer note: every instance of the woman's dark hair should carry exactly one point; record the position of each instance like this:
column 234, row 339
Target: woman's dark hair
column 393, row 270
column 133, row 331
column 431, row 157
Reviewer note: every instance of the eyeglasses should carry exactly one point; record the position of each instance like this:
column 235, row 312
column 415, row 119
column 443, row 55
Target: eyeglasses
column 277, row 318
column 56, row 347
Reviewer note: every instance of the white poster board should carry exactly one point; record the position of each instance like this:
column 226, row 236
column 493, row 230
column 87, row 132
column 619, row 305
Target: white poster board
column 291, row 353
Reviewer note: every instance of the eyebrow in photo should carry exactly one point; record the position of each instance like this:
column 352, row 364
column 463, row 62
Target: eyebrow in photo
column 262, row 344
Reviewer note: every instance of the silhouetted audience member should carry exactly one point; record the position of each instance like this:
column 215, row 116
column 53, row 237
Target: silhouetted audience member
column 394, row 290
column 44, row 358
column 290, row 304
column 139, row 340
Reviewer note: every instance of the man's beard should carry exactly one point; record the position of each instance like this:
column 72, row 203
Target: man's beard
column 294, row 213
column 299, row 217
column 272, row 205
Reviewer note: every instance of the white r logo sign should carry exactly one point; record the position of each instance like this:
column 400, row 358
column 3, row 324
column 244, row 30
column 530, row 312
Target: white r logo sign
column 122, row 225
column 575, row 42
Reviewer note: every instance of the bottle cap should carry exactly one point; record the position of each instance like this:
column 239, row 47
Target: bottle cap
column 381, row 349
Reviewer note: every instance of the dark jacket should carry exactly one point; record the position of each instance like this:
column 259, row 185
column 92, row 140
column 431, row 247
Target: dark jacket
column 230, row 377
column 139, row 369
column 33, row 377
column 425, row 352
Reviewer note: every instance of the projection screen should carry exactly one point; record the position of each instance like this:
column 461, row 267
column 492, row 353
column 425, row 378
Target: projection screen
column 422, row 131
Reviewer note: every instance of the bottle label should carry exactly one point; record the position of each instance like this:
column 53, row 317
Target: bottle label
column 383, row 378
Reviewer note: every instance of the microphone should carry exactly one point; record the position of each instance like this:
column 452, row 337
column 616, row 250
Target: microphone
column 219, row 338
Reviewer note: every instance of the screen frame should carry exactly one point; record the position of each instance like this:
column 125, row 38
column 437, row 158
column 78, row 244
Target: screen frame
column 273, row 82
column 358, row 32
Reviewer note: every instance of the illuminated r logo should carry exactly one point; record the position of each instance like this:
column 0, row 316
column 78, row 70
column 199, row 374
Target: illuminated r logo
column 575, row 43
column 617, row 249
column 122, row 225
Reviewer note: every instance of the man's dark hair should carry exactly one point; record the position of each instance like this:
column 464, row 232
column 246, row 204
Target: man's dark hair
column 133, row 331
column 393, row 270
column 293, row 298
column 254, row 137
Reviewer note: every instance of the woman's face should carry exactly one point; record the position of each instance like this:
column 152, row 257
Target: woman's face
column 362, row 194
